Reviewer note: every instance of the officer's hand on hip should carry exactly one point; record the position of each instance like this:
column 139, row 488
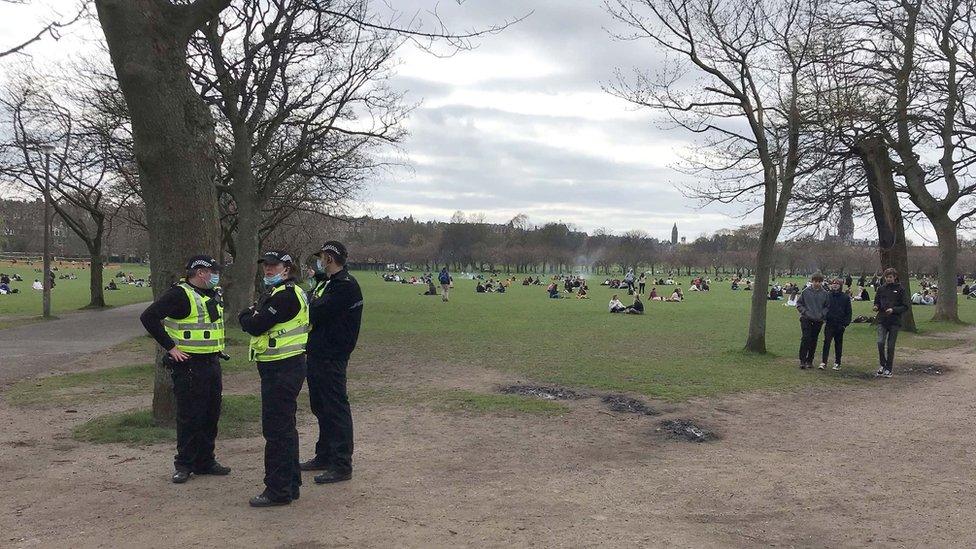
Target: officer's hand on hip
column 177, row 355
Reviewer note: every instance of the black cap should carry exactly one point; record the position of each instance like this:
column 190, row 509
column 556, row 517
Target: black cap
column 202, row 262
column 335, row 249
column 275, row 256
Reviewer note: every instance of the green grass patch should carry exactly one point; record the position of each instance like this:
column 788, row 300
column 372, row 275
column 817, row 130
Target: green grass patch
column 482, row 403
column 240, row 417
column 68, row 295
column 674, row 352
column 79, row 387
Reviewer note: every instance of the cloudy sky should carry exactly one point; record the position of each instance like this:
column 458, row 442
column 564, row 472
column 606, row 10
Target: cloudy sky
column 520, row 124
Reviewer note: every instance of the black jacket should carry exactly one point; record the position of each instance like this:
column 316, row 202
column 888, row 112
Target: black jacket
column 270, row 310
column 890, row 296
column 336, row 317
column 839, row 310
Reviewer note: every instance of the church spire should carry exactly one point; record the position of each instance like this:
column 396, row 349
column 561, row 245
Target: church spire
column 674, row 234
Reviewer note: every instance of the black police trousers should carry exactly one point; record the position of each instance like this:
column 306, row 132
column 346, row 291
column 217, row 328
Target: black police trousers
column 197, row 385
column 281, row 381
column 330, row 404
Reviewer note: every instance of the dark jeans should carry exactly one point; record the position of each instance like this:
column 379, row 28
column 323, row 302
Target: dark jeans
column 836, row 334
column 197, row 386
column 330, row 404
column 887, row 335
column 281, row 381
column 641, row 287
column 808, row 343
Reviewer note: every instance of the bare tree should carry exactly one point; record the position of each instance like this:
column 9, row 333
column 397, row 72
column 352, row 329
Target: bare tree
column 735, row 77
column 80, row 179
column 300, row 104
column 52, row 28
column 917, row 55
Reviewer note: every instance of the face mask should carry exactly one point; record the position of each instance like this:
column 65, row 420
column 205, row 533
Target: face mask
column 214, row 280
column 272, row 280
column 319, row 266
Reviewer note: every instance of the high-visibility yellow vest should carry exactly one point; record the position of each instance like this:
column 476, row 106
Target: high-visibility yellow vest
column 196, row 334
column 285, row 339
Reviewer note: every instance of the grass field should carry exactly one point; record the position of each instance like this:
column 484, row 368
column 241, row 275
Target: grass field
column 674, row 352
column 67, row 295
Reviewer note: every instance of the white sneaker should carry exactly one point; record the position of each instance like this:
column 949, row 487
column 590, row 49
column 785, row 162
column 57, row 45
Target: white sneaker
column 886, row 373
column 879, row 372
column 836, row 367
column 823, row 365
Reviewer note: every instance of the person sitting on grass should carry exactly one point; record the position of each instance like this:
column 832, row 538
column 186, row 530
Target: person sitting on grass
column 677, row 296
column 5, row 289
column 480, row 288
column 112, row 285
column 637, row 308
column 748, row 286
column 582, row 293
column 553, row 290
column 431, row 289
column 773, row 294
column 615, row 305
column 37, row 285
column 653, row 295
column 500, row 289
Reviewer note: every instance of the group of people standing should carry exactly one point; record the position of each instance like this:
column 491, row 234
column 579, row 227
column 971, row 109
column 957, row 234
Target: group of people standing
column 831, row 311
column 294, row 335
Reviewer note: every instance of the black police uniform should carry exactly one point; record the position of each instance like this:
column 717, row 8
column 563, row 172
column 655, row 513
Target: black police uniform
column 197, row 382
column 336, row 317
column 281, row 382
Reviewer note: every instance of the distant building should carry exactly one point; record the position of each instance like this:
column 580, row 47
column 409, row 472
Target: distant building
column 674, row 235
column 845, row 226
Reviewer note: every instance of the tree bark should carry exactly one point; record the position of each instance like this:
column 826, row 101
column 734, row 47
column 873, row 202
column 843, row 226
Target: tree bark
column 97, row 272
column 947, row 307
column 241, row 274
column 756, row 339
column 173, row 137
column 892, row 244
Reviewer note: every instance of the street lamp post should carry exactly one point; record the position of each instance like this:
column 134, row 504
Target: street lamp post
column 46, row 275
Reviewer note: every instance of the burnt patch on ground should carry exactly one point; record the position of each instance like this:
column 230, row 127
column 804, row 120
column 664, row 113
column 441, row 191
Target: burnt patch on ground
column 686, row 429
column 923, row 370
column 548, row 392
column 626, row 404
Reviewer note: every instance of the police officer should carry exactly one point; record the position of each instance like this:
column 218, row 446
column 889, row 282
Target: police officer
column 336, row 308
column 278, row 325
column 187, row 321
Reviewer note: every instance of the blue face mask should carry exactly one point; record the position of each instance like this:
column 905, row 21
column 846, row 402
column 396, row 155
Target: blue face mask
column 214, row 280
column 272, row 280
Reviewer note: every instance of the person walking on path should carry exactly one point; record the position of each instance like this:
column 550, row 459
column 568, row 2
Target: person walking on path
column 812, row 305
column 336, row 314
column 445, row 279
column 839, row 316
column 890, row 302
column 278, row 325
column 187, row 321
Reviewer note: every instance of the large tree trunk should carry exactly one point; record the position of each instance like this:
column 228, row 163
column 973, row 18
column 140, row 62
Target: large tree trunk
column 242, row 273
column 892, row 244
column 173, row 136
column 947, row 306
column 97, row 272
column 756, row 340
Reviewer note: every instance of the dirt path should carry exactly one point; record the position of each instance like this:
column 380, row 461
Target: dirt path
column 890, row 464
column 38, row 348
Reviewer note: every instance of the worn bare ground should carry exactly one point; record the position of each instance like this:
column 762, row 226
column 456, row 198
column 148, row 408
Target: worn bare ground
column 888, row 463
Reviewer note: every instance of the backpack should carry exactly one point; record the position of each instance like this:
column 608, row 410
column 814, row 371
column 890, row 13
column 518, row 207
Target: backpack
column 444, row 278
